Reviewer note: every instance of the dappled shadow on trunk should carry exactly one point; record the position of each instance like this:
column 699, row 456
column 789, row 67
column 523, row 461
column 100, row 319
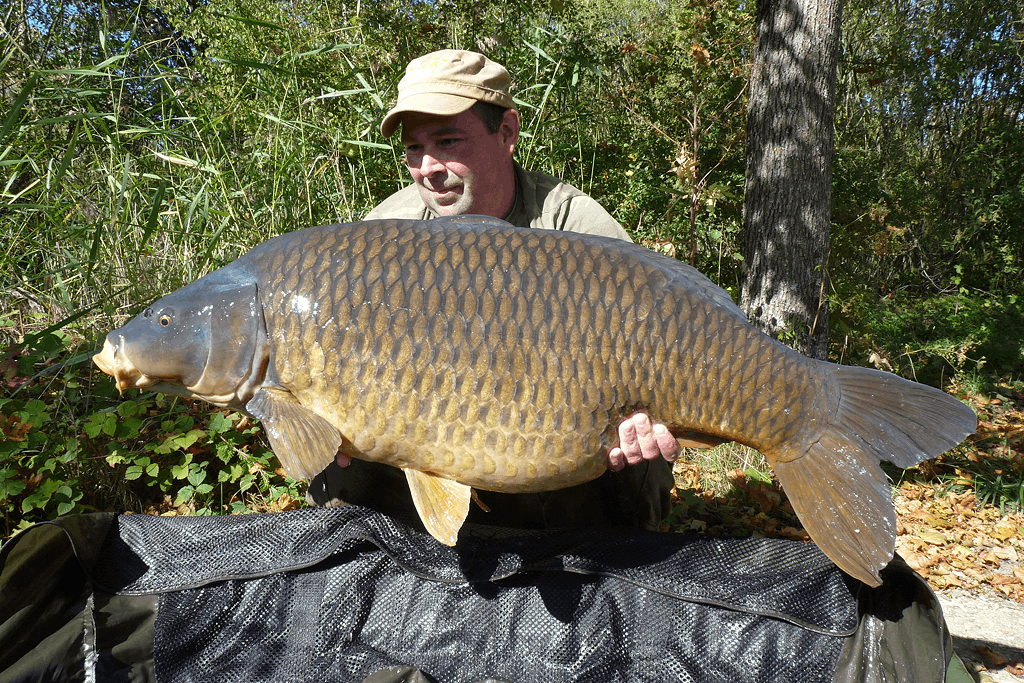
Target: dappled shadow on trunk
column 790, row 141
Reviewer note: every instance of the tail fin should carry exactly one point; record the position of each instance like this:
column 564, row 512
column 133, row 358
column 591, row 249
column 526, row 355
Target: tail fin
column 837, row 487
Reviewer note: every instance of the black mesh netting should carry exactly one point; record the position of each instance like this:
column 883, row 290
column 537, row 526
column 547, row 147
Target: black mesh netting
column 341, row 594
column 313, row 594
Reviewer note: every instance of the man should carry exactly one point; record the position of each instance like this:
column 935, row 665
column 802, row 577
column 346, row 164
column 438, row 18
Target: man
column 460, row 128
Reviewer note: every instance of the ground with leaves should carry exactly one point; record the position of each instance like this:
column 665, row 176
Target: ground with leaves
column 960, row 520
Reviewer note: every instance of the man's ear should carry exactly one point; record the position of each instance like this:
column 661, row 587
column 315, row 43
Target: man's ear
column 509, row 130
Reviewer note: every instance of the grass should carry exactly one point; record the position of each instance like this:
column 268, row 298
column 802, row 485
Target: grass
column 126, row 171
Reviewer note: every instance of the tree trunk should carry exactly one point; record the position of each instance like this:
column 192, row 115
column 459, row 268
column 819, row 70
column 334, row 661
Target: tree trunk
column 790, row 140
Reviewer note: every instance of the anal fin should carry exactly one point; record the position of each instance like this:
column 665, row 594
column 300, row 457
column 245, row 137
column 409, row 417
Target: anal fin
column 691, row 439
column 441, row 503
column 304, row 442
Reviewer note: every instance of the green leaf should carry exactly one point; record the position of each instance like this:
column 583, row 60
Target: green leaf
column 324, row 49
column 10, row 486
column 154, row 213
column 185, row 494
column 14, row 114
column 109, row 425
column 186, row 440
column 539, row 51
column 90, row 70
column 197, row 475
column 128, row 409
column 35, row 407
column 95, row 424
column 181, row 471
column 363, row 143
column 41, row 496
column 757, row 475
column 218, row 423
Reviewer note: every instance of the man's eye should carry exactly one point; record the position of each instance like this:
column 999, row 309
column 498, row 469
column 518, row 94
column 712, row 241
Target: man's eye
column 447, row 142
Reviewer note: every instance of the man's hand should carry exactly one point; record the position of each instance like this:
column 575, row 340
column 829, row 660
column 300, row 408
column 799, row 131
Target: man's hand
column 639, row 440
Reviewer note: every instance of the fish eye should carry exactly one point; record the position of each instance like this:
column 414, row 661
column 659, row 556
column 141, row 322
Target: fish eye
column 165, row 320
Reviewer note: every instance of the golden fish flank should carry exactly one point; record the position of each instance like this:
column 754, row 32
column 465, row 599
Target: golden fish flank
column 474, row 354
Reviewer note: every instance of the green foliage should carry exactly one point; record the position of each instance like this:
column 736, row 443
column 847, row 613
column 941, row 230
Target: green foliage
column 930, row 149
column 932, row 340
column 143, row 144
column 998, row 486
column 675, row 173
column 72, row 445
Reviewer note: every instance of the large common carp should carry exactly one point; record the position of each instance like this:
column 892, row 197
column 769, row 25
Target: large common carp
column 474, row 354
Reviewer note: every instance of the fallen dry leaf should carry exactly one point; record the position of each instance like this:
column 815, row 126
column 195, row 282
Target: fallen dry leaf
column 993, row 659
column 934, row 537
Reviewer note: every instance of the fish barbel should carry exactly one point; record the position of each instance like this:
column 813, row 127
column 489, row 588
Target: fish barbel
column 471, row 353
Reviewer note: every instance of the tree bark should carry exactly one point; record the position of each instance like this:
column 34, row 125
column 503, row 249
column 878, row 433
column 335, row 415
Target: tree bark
column 788, row 194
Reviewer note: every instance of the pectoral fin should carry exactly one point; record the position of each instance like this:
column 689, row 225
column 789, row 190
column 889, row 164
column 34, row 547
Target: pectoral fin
column 304, row 442
column 442, row 504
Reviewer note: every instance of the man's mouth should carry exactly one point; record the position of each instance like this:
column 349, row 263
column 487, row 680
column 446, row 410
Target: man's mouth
column 445, row 192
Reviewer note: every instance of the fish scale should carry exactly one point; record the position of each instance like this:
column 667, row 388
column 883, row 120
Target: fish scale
column 471, row 353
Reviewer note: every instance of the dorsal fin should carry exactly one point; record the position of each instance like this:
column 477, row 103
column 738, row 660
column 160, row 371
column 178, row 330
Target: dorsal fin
column 441, row 503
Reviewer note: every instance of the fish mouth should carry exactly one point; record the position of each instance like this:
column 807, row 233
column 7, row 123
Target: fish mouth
column 113, row 362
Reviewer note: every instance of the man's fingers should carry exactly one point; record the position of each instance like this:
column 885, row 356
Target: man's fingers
column 649, row 449
column 667, row 444
column 629, row 441
column 641, row 440
column 616, row 459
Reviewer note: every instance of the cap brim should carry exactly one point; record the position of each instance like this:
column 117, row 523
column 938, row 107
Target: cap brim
column 439, row 104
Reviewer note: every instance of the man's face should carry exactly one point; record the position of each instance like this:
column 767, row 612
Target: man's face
column 458, row 166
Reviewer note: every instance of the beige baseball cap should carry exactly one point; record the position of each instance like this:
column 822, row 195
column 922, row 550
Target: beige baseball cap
column 446, row 83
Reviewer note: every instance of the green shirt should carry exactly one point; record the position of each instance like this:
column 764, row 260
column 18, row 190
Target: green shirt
column 540, row 202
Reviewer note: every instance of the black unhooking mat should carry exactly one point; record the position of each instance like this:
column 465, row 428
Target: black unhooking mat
column 347, row 594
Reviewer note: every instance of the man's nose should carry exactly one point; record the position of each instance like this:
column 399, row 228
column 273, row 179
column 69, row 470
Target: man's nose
column 429, row 165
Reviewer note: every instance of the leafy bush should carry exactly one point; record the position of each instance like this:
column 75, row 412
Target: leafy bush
column 176, row 135
column 72, row 445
